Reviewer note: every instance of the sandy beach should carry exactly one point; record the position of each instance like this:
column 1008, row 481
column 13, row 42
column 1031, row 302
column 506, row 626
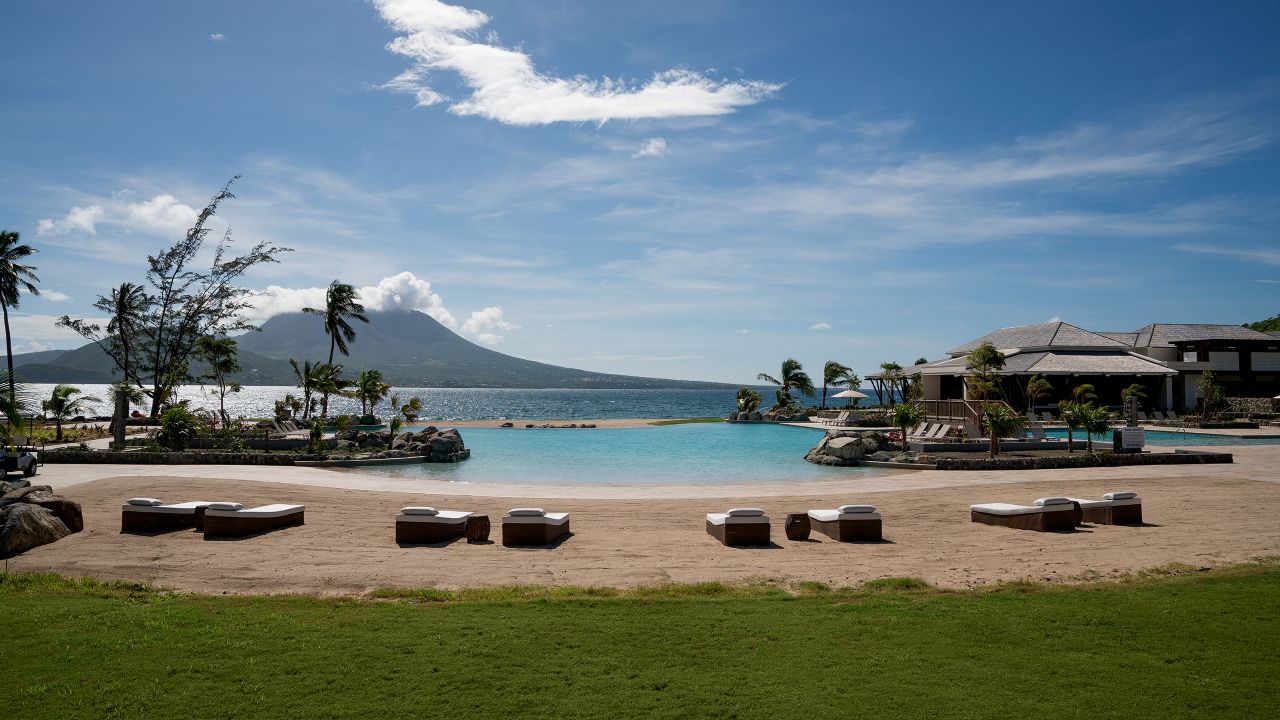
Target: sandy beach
column 1198, row 515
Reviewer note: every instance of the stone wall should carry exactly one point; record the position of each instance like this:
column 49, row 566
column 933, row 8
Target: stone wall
column 1253, row 406
column 1082, row 460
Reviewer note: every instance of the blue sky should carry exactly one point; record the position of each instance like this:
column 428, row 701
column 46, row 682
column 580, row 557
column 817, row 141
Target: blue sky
column 676, row 189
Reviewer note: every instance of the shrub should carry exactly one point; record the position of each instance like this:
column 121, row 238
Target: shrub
column 177, row 427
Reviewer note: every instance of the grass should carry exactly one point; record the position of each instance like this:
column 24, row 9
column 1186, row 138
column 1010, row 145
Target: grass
column 687, row 421
column 1171, row 643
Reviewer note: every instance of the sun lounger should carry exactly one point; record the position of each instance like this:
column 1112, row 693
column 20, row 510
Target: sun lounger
column 837, row 420
column 847, row 523
column 1173, row 416
column 1157, row 416
column 149, row 514
column 1037, row 432
column 1115, row 508
column 533, row 526
column 427, row 525
column 1056, row 513
column 233, row 520
column 1142, row 417
column 1047, row 416
column 739, row 526
column 940, row 432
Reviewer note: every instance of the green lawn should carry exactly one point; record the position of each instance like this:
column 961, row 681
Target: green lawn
column 1199, row 644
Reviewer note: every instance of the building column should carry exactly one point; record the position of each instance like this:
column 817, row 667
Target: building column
column 1166, row 397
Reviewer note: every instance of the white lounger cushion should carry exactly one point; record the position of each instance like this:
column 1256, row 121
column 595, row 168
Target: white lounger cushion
column 418, row 510
column 1007, row 509
column 745, row 512
column 857, row 508
column 547, row 519
column 143, row 501
column 175, row 509
column 1092, row 503
column 1121, row 495
column 265, row 511
column 225, row 506
column 723, row 518
column 527, row 512
column 448, row 517
column 832, row 515
column 1053, row 501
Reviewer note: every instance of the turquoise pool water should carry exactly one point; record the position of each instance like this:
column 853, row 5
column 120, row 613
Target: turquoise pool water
column 676, row 454
column 1164, row 438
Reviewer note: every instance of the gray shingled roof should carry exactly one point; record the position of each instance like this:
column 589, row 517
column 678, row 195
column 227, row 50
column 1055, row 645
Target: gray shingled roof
column 1164, row 334
column 1128, row 338
column 1061, row 363
column 1044, row 335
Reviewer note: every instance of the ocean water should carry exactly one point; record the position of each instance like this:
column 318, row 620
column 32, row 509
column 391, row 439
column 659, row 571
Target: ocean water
column 702, row 454
column 1164, row 438
column 443, row 404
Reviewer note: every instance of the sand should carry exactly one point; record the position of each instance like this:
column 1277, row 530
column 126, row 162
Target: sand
column 1198, row 515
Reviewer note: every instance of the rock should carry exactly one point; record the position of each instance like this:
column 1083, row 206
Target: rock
column 529, row 425
column 24, row 526
column 348, row 435
column 343, row 445
column 68, row 511
column 361, row 437
column 507, row 425
column 368, row 420
column 731, row 417
column 845, row 448
column 384, row 435
column 588, row 425
column 374, row 442
column 868, row 445
column 756, row 416
column 5, row 487
column 877, row 437
column 881, row 456
column 17, row 494
column 399, row 441
column 430, row 430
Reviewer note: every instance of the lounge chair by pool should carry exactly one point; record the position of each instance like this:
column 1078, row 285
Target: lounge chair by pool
column 1173, row 416
column 149, row 514
column 1115, row 508
column 233, row 520
column 739, row 527
column 1054, row 513
column 533, row 526
column 847, row 523
column 839, row 419
column 1047, row 416
column 1157, row 416
column 428, row 525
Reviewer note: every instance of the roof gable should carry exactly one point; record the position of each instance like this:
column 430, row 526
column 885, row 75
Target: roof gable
column 1165, row 334
column 1044, row 335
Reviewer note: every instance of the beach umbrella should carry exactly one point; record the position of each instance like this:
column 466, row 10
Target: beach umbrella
column 850, row 394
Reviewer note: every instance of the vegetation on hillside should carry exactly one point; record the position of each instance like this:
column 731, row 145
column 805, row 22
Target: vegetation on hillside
column 1270, row 325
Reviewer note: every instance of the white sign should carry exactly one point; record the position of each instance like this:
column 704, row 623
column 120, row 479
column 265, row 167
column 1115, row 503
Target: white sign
column 1133, row 438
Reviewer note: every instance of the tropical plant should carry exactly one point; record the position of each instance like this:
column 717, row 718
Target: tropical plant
column 1084, row 393
column 906, row 416
column 13, row 408
column 1094, row 421
column 315, row 438
column 1072, row 415
column 340, row 305
column 1212, row 397
column 15, row 277
column 891, row 375
column 792, row 377
column 913, row 387
column 63, row 404
column 177, row 427
column 1000, row 421
column 921, row 361
column 370, row 389
column 1037, row 387
column 1134, row 390
column 308, row 377
column 837, row 375
column 412, row 409
column 748, row 400
column 288, row 407
column 343, row 422
column 219, row 356
column 187, row 303
column 394, row 426
column 985, row 363
column 330, row 382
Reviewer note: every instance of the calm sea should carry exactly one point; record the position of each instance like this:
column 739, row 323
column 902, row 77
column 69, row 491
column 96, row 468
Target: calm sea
column 474, row 403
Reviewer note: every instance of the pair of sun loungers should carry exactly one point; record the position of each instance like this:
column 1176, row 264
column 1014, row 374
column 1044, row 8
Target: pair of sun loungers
column 1062, row 513
column 520, row 526
column 214, row 519
column 750, row 526
column 844, row 419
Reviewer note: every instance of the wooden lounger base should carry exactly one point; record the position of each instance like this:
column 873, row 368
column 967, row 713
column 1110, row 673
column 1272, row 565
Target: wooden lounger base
column 428, row 533
column 868, row 530
column 222, row 526
column 155, row 521
column 533, row 534
column 1056, row 521
column 1114, row 515
column 739, row 534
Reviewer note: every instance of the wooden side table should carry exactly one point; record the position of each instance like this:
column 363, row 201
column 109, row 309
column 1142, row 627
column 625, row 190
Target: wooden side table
column 477, row 529
column 797, row 526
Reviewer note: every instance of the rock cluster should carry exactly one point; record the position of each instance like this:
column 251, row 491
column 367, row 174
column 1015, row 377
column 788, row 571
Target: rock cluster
column 841, row 447
column 545, row 426
column 433, row 444
column 753, row 416
column 31, row 515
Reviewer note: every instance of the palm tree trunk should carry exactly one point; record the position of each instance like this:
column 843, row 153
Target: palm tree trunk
column 57, row 423
column 824, row 395
column 333, row 341
column 994, row 446
column 1068, row 439
column 8, row 348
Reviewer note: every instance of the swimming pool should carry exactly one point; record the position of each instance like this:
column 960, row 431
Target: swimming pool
column 701, row 454
column 1167, row 438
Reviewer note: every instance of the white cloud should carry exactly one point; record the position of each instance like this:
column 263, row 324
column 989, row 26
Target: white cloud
column 743, row 331
column 1267, row 257
column 78, row 219
column 161, row 214
column 54, row 296
column 404, row 291
column 653, row 147
column 29, row 346
column 485, row 325
column 217, row 37
column 505, row 86
column 820, row 326
column 1055, row 318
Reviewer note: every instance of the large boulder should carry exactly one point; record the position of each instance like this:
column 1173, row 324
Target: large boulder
column 837, row 449
column 845, row 448
column 756, row 416
column 400, row 441
column 732, row 417
column 24, row 526
column 368, row 420
column 68, row 511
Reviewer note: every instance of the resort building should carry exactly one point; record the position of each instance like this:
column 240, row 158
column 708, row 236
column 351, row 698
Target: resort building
column 1168, row 360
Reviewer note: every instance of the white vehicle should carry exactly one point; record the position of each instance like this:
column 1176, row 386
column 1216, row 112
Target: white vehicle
column 20, row 460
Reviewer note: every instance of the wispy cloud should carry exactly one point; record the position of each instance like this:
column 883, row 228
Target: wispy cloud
column 55, row 296
column 160, row 214
column 505, row 86
column 217, row 37
column 1268, row 256
column 653, row 147
column 820, row 326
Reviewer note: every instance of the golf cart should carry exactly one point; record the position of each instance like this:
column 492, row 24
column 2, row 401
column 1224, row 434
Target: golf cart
column 20, row 458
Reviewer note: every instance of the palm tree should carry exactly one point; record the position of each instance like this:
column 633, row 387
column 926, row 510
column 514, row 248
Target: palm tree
column 412, row 409
column 905, row 417
column 1094, row 421
column 792, row 377
column 836, row 375
column 308, row 376
column 127, row 303
column 339, row 305
column 1000, row 422
column 891, row 374
column 14, row 278
column 1072, row 414
column 1037, row 387
column 748, row 400
column 330, row 382
column 13, row 409
column 63, row 404
column 1084, row 393
column 371, row 389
